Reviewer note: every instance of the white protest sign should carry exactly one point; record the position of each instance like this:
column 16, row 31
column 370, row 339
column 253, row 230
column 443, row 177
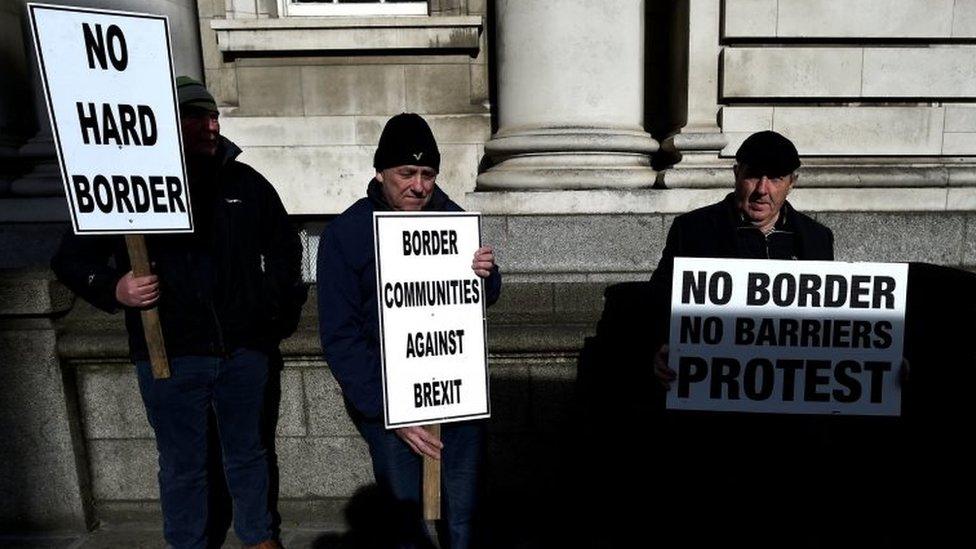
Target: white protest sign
column 801, row 337
column 108, row 79
column 432, row 318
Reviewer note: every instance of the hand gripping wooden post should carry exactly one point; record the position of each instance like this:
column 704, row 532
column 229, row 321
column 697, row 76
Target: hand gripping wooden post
column 139, row 258
column 432, row 481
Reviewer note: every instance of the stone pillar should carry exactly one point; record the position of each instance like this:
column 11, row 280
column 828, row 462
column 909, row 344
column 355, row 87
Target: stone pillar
column 43, row 470
column 701, row 140
column 15, row 96
column 570, row 97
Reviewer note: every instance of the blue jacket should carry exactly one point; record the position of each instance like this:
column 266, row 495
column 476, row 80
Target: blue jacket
column 348, row 316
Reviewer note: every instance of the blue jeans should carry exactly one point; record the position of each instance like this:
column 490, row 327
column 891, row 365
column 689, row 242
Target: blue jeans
column 178, row 407
column 399, row 474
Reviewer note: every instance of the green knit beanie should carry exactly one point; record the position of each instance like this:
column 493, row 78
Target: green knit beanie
column 192, row 93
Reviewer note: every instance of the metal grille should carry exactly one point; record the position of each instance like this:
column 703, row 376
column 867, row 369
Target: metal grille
column 310, row 252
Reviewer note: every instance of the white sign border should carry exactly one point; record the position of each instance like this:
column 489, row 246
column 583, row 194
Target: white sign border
column 379, row 306
column 31, row 6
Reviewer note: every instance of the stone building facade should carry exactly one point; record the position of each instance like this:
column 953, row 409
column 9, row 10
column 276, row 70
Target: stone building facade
column 579, row 128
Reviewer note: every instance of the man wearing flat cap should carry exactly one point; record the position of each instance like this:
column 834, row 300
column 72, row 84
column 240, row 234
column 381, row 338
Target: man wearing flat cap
column 227, row 294
column 407, row 162
column 755, row 221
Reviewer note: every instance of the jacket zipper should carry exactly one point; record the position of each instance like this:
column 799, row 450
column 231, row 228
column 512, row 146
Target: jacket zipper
column 220, row 331
column 766, row 240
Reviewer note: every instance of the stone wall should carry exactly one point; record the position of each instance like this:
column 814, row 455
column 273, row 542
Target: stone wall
column 536, row 331
column 552, row 301
column 43, row 470
column 307, row 97
column 874, row 71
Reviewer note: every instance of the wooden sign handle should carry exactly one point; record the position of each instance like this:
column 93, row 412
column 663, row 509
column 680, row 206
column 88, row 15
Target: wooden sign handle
column 432, row 480
column 139, row 258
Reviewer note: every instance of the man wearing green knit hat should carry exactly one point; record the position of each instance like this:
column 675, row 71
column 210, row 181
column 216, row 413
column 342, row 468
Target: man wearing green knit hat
column 227, row 294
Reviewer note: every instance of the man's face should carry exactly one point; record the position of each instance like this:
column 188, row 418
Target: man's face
column 201, row 129
column 760, row 197
column 407, row 188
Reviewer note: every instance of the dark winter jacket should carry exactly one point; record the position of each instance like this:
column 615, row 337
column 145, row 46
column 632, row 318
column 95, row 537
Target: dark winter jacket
column 348, row 317
column 717, row 231
column 234, row 282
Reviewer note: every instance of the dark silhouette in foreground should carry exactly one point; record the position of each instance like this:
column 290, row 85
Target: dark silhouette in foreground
column 686, row 479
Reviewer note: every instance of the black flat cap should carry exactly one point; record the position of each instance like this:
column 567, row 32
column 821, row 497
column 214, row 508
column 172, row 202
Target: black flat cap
column 768, row 153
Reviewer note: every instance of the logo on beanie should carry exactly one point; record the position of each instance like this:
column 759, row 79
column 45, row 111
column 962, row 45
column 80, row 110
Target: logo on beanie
column 418, row 155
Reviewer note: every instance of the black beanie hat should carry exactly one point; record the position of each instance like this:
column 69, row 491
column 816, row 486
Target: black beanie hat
column 768, row 153
column 406, row 140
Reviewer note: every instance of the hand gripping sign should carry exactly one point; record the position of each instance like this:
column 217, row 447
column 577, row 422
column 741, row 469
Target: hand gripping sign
column 108, row 80
column 799, row 337
column 432, row 325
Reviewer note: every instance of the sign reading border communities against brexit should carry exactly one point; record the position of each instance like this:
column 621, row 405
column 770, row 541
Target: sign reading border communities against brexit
column 108, row 80
column 797, row 337
column 432, row 317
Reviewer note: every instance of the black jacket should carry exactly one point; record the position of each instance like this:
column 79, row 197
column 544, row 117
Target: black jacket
column 711, row 232
column 235, row 282
column 348, row 315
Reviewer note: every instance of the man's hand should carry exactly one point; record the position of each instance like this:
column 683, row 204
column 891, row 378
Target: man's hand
column 137, row 291
column 663, row 374
column 484, row 261
column 421, row 441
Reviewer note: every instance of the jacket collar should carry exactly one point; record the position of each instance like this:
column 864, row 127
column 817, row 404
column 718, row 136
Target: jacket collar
column 227, row 150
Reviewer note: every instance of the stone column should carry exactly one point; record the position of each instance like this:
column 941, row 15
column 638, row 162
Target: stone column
column 701, row 140
column 43, row 476
column 570, row 97
column 15, row 97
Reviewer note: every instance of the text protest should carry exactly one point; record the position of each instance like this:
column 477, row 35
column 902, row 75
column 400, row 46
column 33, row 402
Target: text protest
column 432, row 318
column 805, row 337
column 108, row 80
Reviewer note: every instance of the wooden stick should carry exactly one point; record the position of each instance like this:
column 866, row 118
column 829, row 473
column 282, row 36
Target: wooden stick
column 139, row 258
column 432, row 480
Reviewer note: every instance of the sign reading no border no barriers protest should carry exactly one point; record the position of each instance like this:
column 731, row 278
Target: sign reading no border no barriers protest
column 804, row 337
column 432, row 318
column 108, row 79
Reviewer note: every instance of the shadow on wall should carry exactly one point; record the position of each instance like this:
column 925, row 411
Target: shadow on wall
column 666, row 25
column 613, row 468
column 691, row 479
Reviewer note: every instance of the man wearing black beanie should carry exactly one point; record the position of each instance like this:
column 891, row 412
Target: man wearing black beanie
column 407, row 162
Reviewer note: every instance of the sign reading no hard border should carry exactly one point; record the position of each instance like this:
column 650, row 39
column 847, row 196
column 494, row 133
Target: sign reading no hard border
column 432, row 318
column 108, row 79
column 800, row 337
